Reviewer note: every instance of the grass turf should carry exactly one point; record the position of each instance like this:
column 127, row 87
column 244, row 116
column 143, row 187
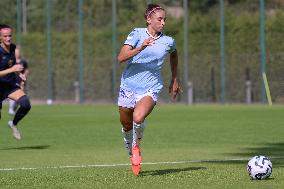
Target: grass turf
column 65, row 135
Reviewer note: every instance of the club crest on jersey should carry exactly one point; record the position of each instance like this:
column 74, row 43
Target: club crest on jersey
column 10, row 63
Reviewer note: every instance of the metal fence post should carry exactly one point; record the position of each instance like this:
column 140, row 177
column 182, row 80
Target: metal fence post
column 262, row 47
column 185, row 47
column 49, row 55
column 189, row 93
column 81, row 51
column 222, row 51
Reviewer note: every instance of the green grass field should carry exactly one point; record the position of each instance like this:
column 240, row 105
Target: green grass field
column 68, row 146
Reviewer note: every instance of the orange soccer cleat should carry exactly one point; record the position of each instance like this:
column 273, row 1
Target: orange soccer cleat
column 136, row 159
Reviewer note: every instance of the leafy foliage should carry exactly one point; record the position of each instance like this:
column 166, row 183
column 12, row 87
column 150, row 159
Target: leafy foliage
column 241, row 45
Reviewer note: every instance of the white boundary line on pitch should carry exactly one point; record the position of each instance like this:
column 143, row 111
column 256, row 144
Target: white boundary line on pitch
column 128, row 164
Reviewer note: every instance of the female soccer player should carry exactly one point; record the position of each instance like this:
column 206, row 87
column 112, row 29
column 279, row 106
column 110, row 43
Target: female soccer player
column 145, row 50
column 19, row 60
column 9, row 71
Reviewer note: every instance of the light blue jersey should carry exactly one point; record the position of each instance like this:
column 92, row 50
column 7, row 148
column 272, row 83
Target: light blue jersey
column 143, row 71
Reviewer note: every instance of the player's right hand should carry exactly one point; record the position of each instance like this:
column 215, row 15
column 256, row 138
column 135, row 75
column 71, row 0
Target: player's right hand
column 17, row 68
column 148, row 42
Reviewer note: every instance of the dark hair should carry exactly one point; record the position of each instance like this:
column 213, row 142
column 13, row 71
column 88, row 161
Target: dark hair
column 2, row 26
column 151, row 8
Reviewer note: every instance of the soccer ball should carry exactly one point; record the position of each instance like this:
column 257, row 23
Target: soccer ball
column 259, row 167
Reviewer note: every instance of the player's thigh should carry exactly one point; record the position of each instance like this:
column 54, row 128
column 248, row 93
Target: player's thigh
column 143, row 108
column 16, row 94
column 126, row 117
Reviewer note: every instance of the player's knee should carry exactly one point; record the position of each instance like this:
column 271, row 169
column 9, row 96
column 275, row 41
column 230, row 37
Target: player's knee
column 24, row 103
column 138, row 118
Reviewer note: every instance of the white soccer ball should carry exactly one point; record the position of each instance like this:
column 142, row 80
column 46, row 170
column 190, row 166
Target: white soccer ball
column 259, row 167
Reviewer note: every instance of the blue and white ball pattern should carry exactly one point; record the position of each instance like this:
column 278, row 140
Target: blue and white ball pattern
column 259, row 167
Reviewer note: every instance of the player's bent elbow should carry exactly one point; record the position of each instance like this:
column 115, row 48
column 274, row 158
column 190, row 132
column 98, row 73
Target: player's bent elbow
column 120, row 59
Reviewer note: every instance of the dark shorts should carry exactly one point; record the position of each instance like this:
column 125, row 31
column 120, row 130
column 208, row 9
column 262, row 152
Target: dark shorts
column 6, row 89
column 18, row 80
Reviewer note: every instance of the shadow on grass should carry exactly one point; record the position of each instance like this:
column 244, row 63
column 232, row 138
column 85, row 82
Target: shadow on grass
column 37, row 147
column 270, row 150
column 169, row 171
column 274, row 151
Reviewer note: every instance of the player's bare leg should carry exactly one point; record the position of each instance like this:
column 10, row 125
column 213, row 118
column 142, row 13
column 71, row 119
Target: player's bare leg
column 142, row 109
column 126, row 119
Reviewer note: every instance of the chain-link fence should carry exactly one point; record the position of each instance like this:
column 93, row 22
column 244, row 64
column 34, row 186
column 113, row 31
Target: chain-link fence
column 61, row 66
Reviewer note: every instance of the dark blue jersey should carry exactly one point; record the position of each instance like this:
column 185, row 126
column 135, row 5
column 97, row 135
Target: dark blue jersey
column 7, row 60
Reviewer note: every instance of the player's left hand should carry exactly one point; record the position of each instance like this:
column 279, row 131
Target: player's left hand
column 174, row 88
column 22, row 76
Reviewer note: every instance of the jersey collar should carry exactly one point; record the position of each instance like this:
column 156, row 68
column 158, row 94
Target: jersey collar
column 155, row 38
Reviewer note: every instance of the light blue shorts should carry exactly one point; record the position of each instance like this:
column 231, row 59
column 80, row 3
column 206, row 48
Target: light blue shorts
column 128, row 98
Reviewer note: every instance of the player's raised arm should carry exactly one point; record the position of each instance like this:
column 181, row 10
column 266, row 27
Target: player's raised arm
column 127, row 51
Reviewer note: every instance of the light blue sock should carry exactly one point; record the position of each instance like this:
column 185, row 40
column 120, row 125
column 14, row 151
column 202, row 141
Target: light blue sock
column 128, row 137
column 12, row 106
column 138, row 130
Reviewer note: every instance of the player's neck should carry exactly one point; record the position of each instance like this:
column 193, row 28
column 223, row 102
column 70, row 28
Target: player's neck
column 5, row 47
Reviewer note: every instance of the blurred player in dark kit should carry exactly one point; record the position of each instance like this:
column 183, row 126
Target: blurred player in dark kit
column 9, row 73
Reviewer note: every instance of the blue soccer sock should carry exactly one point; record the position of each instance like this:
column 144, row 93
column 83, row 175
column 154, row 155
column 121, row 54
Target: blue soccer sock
column 24, row 108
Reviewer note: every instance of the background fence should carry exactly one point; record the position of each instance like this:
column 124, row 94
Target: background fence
column 71, row 47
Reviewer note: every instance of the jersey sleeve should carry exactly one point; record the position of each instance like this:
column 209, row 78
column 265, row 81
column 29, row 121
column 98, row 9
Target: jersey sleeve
column 133, row 38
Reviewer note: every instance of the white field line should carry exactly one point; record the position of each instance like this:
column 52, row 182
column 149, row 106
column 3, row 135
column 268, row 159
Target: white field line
column 128, row 164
